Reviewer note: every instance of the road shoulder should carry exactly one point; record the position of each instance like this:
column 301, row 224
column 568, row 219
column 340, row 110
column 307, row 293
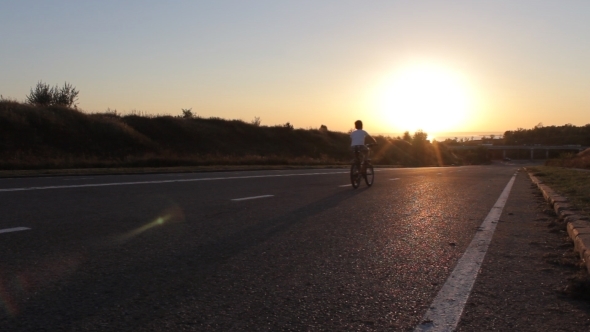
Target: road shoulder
column 526, row 280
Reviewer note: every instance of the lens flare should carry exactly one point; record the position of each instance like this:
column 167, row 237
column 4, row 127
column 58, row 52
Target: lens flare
column 439, row 158
column 171, row 215
column 6, row 300
column 15, row 288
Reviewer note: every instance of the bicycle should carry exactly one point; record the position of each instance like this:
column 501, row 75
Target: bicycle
column 362, row 168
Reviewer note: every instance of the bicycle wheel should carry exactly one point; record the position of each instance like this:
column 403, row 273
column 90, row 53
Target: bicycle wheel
column 369, row 175
column 355, row 175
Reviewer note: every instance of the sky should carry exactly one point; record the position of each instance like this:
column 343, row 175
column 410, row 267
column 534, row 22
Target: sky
column 436, row 66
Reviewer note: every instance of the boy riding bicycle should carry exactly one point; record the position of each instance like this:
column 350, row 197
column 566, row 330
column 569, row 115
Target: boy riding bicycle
column 358, row 138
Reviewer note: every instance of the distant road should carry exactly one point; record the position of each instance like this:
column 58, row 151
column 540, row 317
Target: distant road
column 265, row 250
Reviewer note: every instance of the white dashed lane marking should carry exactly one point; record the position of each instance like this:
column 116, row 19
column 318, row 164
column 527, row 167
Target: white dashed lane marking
column 253, row 197
column 15, row 229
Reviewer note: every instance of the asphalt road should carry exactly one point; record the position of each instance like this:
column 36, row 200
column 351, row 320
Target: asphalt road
column 183, row 252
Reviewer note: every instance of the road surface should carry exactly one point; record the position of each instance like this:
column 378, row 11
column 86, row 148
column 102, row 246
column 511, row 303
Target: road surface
column 261, row 250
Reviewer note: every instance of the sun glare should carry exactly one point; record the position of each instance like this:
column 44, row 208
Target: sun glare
column 425, row 97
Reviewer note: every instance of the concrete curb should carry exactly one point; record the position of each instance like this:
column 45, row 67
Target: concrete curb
column 578, row 226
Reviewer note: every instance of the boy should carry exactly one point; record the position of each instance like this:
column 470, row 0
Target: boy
column 358, row 137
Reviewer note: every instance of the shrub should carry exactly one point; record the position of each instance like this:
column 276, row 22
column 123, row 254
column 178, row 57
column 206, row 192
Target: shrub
column 45, row 95
column 66, row 96
column 187, row 113
column 42, row 95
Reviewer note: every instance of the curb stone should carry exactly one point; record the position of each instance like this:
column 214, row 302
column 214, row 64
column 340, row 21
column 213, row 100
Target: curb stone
column 578, row 226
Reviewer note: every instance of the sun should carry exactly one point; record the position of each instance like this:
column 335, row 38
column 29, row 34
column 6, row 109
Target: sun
column 424, row 97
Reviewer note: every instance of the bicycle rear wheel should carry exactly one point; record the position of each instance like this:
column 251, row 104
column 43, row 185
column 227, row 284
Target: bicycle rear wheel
column 369, row 175
column 355, row 175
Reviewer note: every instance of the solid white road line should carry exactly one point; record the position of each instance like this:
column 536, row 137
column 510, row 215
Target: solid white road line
column 253, row 197
column 15, row 229
column 165, row 181
column 446, row 309
column 345, row 185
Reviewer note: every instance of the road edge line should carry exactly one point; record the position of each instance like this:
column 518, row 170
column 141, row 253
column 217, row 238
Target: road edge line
column 445, row 311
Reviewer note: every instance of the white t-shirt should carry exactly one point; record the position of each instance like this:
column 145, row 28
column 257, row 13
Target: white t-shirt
column 358, row 137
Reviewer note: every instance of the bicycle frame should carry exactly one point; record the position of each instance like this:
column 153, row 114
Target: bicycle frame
column 360, row 166
column 358, row 153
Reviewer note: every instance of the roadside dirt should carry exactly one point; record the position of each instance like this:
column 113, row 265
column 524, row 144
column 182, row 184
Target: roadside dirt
column 531, row 279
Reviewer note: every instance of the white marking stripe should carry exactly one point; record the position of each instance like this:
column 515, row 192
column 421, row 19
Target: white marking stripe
column 15, row 229
column 253, row 197
column 394, row 179
column 75, row 179
column 345, row 185
column 164, row 181
column 446, row 309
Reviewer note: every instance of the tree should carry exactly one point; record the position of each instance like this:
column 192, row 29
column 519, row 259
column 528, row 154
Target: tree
column 256, row 121
column 42, row 95
column 420, row 148
column 66, row 96
column 187, row 113
column 45, row 95
column 407, row 137
column 419, row 137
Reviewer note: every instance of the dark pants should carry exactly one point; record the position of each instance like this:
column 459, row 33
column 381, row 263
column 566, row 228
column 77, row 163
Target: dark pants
column 360, row 151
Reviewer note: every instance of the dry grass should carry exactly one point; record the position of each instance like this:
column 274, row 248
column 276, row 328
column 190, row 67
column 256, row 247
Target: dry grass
column 569, row 182
column 35, row 137
column 579, row 160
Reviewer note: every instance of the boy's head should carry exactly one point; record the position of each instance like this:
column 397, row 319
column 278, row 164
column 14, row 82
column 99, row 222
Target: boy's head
column 358, row 124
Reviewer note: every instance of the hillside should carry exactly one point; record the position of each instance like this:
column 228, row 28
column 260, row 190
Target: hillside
column 578, row 160
column 33, row 137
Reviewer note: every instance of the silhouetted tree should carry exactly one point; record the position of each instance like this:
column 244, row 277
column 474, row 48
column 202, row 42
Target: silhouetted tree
column 256, row 121
column 187, row 113
column 407, row 137
column 45, row 95
column 419, row 147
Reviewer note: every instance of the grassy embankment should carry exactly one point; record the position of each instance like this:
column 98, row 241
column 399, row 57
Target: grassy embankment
column 52, row 137
column 571, row 183
column 570, row 176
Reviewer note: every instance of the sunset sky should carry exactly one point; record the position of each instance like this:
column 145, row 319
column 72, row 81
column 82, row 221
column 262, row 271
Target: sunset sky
column 439, row 66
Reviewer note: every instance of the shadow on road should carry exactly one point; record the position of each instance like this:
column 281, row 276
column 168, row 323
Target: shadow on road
column 102, row 294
